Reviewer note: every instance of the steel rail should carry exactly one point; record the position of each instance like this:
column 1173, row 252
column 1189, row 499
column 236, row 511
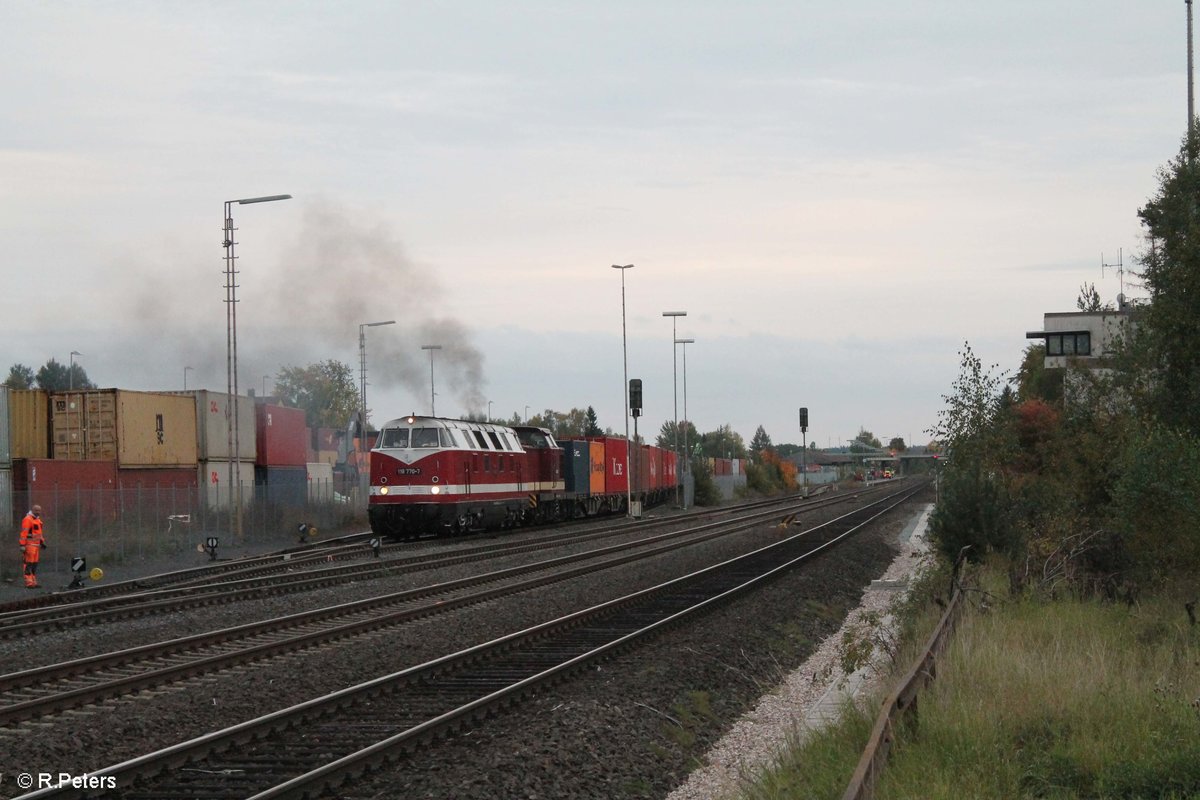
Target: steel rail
column 153, row 602
column 394, row 713
column 102, row 684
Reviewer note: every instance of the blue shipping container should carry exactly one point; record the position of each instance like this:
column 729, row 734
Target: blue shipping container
column 576, row 467
column 283, row 486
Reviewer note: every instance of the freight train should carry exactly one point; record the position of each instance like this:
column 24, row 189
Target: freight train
column 449, row 476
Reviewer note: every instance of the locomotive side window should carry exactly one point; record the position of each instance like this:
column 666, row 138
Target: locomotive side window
column 508, row 445
column 424, row 437
column 394, row 437
column 479, row 438
column 495, row 440
column 448, row 439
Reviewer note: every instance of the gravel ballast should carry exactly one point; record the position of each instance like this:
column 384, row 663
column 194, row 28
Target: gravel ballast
column 632, row 728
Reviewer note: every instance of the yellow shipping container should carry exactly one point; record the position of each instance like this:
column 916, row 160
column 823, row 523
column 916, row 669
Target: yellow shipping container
column 137, row 429
column 29, row 423
column 596, row 462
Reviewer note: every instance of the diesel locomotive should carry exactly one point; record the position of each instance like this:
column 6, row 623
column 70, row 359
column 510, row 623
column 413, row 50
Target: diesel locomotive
column 435, row 475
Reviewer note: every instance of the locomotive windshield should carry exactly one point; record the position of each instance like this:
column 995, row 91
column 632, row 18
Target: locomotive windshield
column 425, row 437
column 394, row 437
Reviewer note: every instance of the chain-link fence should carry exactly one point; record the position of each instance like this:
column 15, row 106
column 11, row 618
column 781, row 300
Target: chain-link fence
column 116, row 525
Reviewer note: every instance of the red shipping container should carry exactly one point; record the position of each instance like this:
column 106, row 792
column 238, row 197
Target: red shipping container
column 642, row 477
column 670, row 469
column 64, row 488
column 167, row 489
column 282, row 436
column 656, row 478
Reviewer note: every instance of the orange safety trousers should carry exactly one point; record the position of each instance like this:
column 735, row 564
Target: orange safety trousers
column 32, row 541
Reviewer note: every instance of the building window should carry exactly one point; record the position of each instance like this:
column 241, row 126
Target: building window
column 1069, row 344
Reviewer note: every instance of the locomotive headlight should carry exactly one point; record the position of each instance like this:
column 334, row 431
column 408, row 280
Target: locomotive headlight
column 436, row 490
column 383, row 490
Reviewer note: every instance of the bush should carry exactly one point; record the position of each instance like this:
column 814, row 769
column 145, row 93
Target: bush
column 1156, row 500
column 706, row 492
column 974, row 509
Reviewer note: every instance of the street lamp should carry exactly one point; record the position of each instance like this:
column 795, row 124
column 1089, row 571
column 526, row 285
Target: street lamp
column 264, row 394
column 625, row 384
column 526, row 415
column 432, row 393
column 71, row 370
column 674, row 315
column 362, row 372
column 687, row 456
column 185, row 372
column 489, row 410
column 231, row 407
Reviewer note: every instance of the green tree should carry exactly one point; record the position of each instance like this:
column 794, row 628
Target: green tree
column 56, row 377
column 687, row 433
column 1089, row 299
column 897, row 444
column 325, row 390
column 975, row 501
column 568, row 424
column 865, row 441
column 760, row 442
column 19, row 377
column 591, row 425
column 1033, row 380
column 1170, row 271
column 721, row 443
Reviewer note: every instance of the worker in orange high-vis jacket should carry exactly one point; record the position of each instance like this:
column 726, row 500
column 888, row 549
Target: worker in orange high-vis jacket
column 32, row 543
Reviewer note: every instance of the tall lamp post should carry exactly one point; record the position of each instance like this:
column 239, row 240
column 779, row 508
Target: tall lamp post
column 71, row 370
column 362, row 374
column 489, row 410
column 625, row 382
column 674, row 315
column 432, row 393
column 185, row 372
column 231, row 406
column 687, row 458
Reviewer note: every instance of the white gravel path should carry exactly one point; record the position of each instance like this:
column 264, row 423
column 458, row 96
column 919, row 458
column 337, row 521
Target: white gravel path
column 808, row 696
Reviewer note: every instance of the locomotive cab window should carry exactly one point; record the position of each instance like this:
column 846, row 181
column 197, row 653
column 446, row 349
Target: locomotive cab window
column 394, row 437
column 425, row 437
column 448, row 439
column 533, row 439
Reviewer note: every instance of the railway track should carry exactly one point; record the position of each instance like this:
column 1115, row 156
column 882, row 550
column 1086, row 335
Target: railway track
column 49, row 689
column 280, row 574
column 315, row 746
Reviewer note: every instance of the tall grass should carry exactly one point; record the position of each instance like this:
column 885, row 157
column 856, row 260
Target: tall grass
column 1065, row 699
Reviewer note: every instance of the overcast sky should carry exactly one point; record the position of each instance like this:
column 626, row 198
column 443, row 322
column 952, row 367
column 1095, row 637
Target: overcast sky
column 839, row 195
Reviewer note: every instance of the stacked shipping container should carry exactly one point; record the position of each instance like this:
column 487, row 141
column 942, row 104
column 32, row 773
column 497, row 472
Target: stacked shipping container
column 24, row 433
column 135, row 429
column 217, row 468
column 280, row 471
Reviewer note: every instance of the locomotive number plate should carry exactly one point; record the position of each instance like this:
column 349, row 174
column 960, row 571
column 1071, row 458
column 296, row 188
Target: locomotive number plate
column 408, row 471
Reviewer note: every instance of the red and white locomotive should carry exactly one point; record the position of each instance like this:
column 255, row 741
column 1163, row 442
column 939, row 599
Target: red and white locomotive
column 440, row 475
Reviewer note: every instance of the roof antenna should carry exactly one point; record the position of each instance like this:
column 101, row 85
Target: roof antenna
column 1120, row 267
